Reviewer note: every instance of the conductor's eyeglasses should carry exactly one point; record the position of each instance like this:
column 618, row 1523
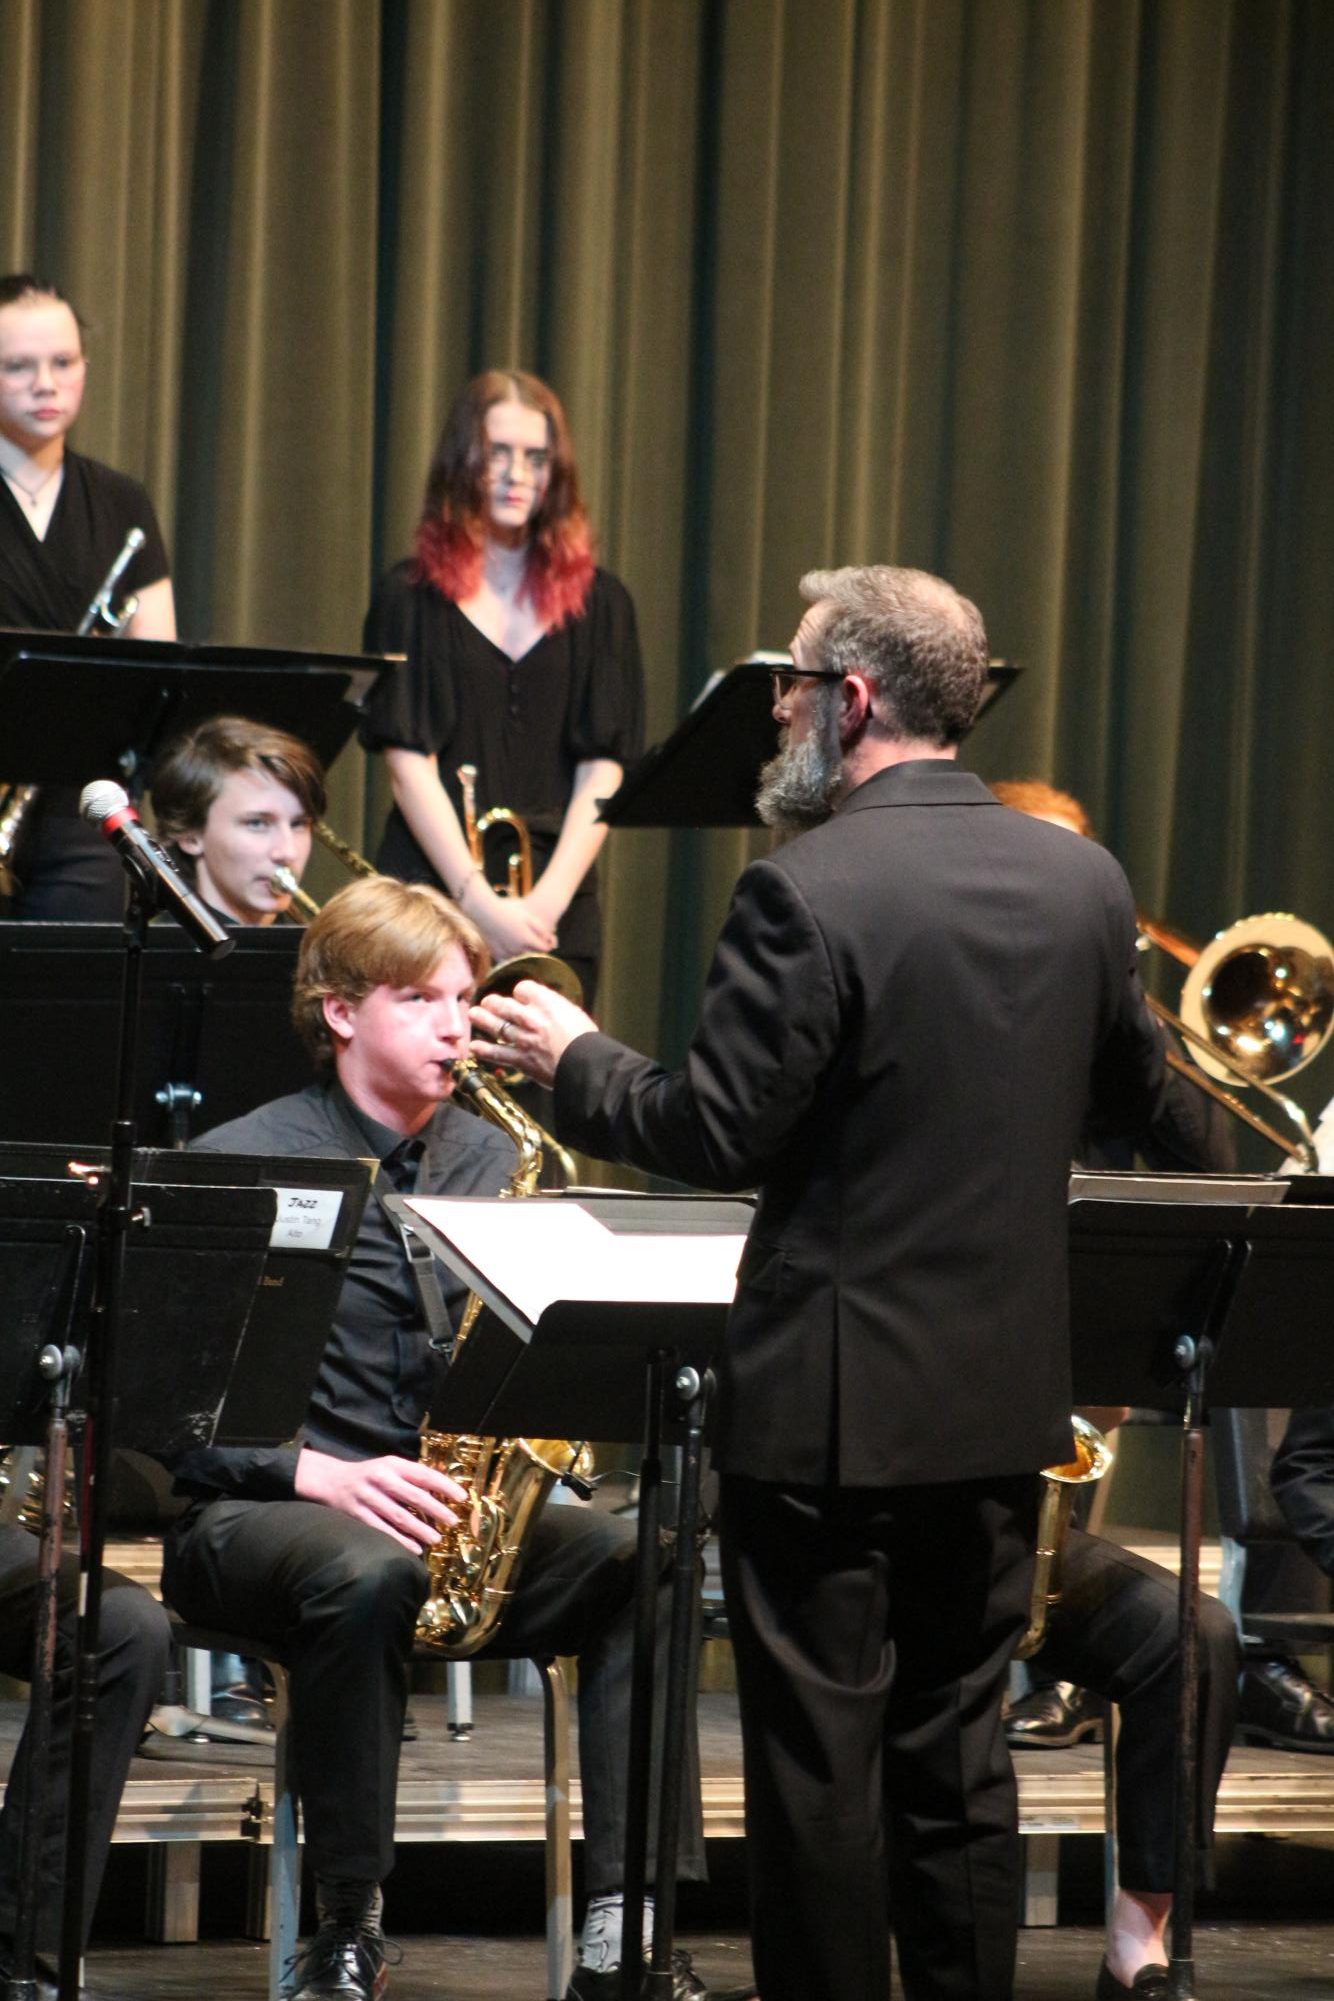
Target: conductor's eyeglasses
column 784, row 679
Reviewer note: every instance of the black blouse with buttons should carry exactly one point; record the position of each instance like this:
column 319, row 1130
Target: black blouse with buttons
column 577, row 694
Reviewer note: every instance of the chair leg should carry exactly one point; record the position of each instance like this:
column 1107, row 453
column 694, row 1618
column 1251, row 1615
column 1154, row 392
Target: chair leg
column 285, row 1861
column 173, row 1892
column 1111, row 1868
column 198, row 1666
column 559, row 1872
column 458, row 1698
column 1042, row 1869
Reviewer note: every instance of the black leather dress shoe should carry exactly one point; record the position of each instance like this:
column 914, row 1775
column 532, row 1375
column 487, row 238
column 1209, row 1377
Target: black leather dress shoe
column 1149, row 1984
column 342, row 1960
column 1052, row 1719
column 586, row 1985
column 1280, row 1706
column 239, row 1704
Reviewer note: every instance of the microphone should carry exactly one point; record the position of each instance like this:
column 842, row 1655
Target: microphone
column 106, row 806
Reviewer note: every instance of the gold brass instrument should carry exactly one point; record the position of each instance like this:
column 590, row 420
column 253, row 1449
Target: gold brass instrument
column 519, row 867
column 474, row 1565
column 344, row 850
column 23, row 1488
column 17, row 801
column 300, row 907
column 550, row 972
column 1093, row 1457
column 502, row 979
column 1258, row 1003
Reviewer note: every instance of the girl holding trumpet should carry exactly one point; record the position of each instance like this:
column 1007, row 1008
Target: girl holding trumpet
column 522, row 663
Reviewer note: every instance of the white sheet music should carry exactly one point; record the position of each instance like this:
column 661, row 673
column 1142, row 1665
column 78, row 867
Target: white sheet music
column 538, row 1252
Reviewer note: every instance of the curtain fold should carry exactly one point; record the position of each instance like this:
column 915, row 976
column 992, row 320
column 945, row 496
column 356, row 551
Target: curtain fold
column 1035, row 293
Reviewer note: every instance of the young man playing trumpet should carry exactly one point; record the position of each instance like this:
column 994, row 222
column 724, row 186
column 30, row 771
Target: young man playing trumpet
column 318, row 1546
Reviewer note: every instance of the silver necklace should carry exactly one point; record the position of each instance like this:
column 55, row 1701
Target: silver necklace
column 30, row 495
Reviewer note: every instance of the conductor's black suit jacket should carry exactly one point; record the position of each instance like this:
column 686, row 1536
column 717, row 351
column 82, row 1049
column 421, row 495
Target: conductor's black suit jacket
column 910, row 1014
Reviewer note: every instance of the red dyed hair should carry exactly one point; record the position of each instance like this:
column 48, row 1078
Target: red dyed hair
column 452, row 530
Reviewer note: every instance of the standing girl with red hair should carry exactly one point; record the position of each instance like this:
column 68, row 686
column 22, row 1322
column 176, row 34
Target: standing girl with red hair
column 522, row 660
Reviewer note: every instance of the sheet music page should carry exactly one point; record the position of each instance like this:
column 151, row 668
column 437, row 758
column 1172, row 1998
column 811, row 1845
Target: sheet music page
column 537, row 1252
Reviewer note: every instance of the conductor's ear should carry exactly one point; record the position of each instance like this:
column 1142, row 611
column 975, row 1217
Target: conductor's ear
column 854, row 694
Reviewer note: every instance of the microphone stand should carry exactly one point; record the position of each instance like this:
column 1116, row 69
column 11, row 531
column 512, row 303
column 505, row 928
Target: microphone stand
column 114, row 1223
column 58, row 1365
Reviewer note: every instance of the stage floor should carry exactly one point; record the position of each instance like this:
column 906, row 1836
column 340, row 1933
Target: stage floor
column 1233, row 1963
column 469, row 1916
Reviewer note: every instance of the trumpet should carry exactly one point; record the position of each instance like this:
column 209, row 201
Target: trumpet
column 17, row 801
column 1257, row 1003
column 519, row 867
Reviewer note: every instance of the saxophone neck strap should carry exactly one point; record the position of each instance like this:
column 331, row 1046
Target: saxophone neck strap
column 425, row 1277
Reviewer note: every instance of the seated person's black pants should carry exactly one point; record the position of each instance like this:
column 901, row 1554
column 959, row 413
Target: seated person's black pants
column 1115, row 1631
column 340, row 1599
column 133, row 1647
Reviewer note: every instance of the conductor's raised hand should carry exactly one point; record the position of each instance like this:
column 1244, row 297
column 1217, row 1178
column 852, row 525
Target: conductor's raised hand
column 528, row 1030
column 406, row 1500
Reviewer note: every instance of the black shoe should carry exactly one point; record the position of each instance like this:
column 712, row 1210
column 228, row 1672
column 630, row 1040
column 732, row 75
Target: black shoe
column 411, row 1732
column 343, row 1960
column 240, row 1704
column 585, row 1985
column 1053, row 1719
column 1149, row 1984
column 1280, row 1706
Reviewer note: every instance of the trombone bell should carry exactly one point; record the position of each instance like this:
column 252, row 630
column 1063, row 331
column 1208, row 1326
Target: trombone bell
column 1262, row 994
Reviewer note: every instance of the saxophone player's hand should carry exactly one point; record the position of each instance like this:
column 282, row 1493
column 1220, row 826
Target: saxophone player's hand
column 402, row 1498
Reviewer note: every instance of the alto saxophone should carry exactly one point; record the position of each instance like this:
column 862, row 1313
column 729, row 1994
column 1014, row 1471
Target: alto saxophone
column 473, row 1565
column 1093, row 1457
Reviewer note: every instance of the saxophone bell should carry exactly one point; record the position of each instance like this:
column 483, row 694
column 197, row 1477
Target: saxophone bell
column 1093, row 1458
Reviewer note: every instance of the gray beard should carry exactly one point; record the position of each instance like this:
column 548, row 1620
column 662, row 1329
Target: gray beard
column 798, row 787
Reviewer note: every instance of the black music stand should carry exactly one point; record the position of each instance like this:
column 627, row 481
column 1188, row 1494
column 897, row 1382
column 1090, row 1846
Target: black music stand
column 1177, row 1286
column 706, row 772
column 319, row 1207
column 623, row 1364
column 195, row 1264
column 216, row 1036
column 79, row 708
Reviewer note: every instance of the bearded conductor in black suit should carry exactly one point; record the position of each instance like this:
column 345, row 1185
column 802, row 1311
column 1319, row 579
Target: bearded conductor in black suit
column 915, row 1008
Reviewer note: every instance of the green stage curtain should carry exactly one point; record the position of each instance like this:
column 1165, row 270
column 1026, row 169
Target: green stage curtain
column 1034, row 293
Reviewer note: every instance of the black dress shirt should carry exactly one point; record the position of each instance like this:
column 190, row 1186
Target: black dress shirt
column 377, row 1371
